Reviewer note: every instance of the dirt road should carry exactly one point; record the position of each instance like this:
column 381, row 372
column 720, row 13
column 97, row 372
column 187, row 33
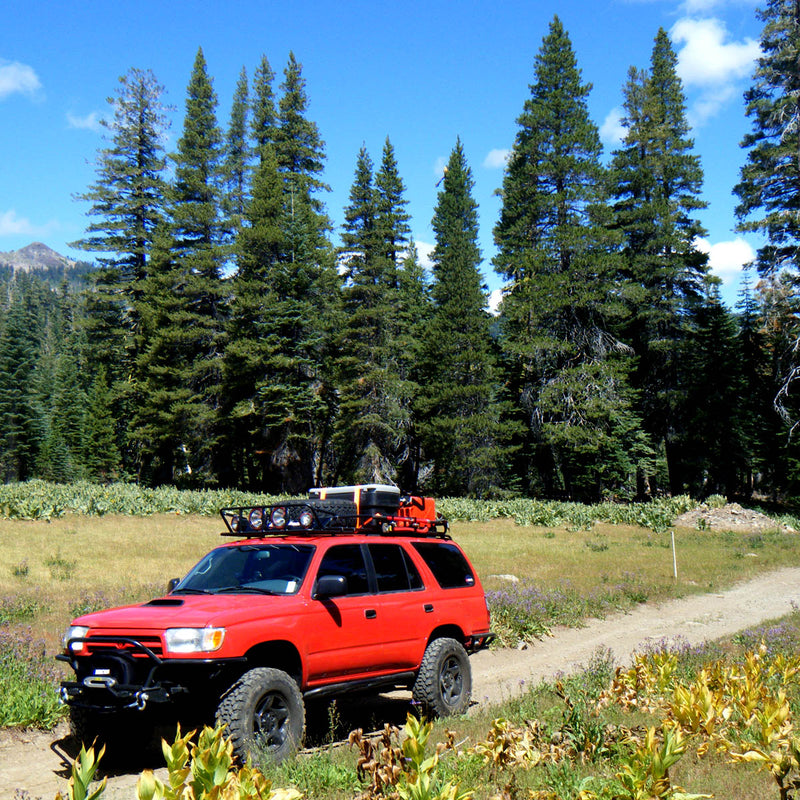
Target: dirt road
column 37, row 763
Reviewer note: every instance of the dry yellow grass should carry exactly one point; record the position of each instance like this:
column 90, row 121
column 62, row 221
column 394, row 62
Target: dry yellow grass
column 606, row 554
column 124, row 559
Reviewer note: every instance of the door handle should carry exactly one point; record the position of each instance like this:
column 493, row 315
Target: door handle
column 370, row 613
column 428, row 607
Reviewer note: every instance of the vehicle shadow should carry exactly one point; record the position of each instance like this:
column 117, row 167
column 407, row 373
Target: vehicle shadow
column 138, row 746
column 331, row 721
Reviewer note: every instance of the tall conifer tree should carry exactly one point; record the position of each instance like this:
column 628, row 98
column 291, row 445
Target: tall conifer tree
column 374, row 438
column 458, row 409
column 286, row 297
column 183, row 304
column 127, row 201
column 656, row 182
column 555, row 251
column 770, row 179
column 264, row 114
column 237, row 158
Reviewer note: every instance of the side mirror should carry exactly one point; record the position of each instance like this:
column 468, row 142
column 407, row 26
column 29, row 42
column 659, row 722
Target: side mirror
column 172, row 584
column 330, row 586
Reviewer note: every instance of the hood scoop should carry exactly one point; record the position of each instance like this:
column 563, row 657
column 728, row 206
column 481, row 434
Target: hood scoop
column 165, row 601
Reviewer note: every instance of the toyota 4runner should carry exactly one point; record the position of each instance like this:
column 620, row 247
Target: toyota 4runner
column 354, row 588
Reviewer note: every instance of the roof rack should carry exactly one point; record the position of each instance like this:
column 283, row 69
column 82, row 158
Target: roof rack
column 315, row 516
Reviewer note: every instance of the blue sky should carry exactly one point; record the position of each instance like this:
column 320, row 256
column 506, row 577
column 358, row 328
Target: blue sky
column 421, row 73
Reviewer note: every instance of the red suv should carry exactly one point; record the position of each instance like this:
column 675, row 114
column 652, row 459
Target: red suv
column 355, row 588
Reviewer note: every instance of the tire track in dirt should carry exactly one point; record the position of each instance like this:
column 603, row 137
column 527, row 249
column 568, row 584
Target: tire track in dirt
column 38, row 762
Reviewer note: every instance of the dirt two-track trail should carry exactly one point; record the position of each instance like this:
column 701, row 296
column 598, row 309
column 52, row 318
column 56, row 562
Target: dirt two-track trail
column 35, row 764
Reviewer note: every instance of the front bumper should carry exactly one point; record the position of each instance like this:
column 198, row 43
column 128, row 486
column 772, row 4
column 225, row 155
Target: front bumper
column 132, row 676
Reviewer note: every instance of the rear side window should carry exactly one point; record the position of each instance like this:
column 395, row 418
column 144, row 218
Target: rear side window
column 447, row 563
column 394, row 570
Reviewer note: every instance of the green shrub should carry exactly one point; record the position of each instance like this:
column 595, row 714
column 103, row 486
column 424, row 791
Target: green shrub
column 28, row 681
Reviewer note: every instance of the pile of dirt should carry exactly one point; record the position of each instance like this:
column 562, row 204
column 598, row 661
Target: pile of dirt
column 730, row 517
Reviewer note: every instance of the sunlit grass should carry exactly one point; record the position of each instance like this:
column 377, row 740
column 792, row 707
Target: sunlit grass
column 60, row 565
column 611, row 554
column 53, row 570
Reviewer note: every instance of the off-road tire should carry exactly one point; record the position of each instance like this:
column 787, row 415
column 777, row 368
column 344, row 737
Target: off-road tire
column 264, row 714
column 444, row 682
column 334, row 513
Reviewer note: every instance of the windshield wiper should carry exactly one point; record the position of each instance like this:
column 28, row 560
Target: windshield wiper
column 232, row 589
column 191, row 590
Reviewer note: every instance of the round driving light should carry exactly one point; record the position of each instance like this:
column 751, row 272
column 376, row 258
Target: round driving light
column 256, row 519
column 278, row 517
column 306, row 518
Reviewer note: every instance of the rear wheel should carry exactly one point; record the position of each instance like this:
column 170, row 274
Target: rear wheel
column 444, row 683
column 264, row 714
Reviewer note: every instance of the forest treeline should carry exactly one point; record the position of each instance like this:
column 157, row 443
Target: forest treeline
column 228, row 336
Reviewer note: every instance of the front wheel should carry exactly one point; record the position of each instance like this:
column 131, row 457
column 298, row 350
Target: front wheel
column 444, row 683
column 264, row 714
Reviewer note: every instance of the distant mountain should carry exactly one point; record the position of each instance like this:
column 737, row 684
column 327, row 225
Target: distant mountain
column 36, row 257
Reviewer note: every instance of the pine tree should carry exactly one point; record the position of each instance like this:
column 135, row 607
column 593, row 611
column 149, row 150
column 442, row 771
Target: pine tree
column 278, row 359
column 298, row 146
column 127, row 201
column 756, row 391
column 715, row 448
column 236, row 162
column 101, row 456
column 770, row 178
column 264, row 116
column 556, row 252
column 177, row 422
column 656, row 182
column 458, row 412
column 22, row 422
column 778, row 312
column 374, row 434
column 391, row 217
column 129, row 193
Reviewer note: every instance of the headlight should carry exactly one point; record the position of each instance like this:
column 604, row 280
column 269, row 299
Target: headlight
column 75, row 632
column 194, row 640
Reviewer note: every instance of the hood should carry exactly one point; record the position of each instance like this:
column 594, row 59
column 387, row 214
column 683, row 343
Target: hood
column 190, row 611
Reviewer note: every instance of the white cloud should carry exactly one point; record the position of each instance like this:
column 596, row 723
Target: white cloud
column 91, row 122
column 705, row 58
column 708, row 104
column 726, row 259
column 495, row 298
column 425, row 251
column 612, row 131
column 496, row 159
column 709, row 63
column 16, row 77
column 11, row 224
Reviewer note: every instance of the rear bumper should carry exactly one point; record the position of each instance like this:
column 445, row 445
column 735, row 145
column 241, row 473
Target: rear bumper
column 479, row 641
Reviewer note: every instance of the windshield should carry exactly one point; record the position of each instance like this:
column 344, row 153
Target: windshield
column 257, row 569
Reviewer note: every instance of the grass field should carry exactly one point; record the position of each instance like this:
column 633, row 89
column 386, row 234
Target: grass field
column 52, row 571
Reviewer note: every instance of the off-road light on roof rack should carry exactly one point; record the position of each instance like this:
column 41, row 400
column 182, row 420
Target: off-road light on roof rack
column 278, row 517
column 256, row 518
